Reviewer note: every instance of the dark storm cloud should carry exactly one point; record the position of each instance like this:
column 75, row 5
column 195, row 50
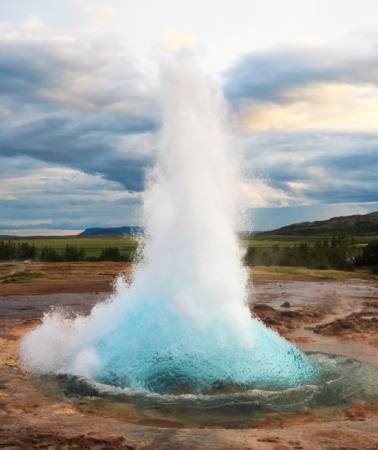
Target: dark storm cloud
column 82, row 143
column 26, row 67
column 351, row 177
column 265, row 75
column 73, row 105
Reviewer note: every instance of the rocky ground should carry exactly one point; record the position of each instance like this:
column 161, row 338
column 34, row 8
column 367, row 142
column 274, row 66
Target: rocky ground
column 316, row 313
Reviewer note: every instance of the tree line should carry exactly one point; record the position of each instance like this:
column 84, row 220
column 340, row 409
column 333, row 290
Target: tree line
column 10, row 250
column 336, row 252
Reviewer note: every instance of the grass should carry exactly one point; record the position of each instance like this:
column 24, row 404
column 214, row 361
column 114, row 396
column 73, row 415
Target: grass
column 94, row 244
column 262, row 241
column 329, row 274
column 268, row 243
column 24, row 276
column 91, row 245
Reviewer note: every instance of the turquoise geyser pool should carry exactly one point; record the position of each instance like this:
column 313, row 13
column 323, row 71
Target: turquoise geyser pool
column 169, row 355
column 341, row 381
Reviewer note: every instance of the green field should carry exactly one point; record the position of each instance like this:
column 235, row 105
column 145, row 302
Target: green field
column 263, row 249
column 91, row 245
column 94, row 244
column 264, row 241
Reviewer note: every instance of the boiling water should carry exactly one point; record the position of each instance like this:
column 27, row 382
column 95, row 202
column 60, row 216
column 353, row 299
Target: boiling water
column 183, row 326
column 342, row 381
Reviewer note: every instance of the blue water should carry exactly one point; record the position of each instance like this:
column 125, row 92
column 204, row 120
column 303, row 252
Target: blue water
column 164, row 352
column 342, row 382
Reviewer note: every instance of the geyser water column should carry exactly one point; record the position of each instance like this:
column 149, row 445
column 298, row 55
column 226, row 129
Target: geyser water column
column 184, row 324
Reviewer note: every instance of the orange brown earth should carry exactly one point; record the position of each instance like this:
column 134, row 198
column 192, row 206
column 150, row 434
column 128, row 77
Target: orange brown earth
column 318, row 314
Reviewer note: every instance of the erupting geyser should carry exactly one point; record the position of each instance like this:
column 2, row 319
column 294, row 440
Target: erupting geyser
column 184, row 324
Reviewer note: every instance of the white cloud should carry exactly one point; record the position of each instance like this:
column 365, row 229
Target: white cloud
column 178, row 40
column 58, row 197
column 258, row 193
column 78, row 102
column 320, row 106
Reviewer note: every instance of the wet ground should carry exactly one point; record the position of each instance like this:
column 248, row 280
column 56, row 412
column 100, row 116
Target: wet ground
column 328, row 316
column 317, row 314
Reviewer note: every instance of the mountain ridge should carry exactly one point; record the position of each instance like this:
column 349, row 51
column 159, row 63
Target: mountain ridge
column 357, row 224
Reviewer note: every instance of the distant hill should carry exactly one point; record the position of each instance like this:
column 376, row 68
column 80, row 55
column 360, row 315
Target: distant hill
column 111, row 230
column 359, row 224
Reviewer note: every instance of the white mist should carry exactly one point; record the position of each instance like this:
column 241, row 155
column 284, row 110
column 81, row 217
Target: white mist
column 184, row 322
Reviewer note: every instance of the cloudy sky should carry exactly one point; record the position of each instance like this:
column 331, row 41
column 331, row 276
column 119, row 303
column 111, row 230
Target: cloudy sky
column 79, row 113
